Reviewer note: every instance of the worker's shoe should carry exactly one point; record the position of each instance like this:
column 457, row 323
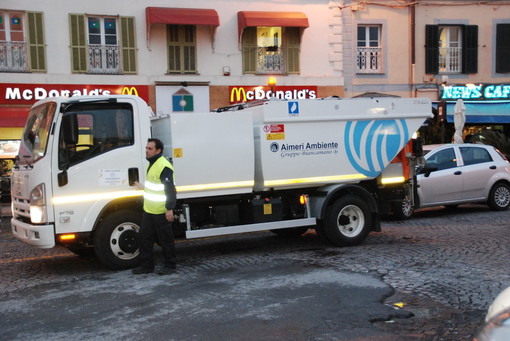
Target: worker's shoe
column 166, row 270
column 140, row 270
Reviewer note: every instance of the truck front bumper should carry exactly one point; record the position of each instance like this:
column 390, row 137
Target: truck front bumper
column 41, row 236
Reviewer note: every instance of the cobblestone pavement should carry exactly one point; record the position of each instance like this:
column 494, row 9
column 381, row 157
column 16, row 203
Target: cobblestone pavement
column 445, row 266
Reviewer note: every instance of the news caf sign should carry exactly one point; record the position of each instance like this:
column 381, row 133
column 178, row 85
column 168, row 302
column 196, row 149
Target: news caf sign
column 242, row 93
column 30, row 93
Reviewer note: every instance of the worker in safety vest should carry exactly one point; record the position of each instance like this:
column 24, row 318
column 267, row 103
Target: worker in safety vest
column 158, row 203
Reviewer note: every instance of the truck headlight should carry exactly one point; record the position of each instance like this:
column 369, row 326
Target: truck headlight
column 38, row 204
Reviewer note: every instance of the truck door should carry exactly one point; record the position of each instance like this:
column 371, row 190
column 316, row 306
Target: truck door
column 98, row 149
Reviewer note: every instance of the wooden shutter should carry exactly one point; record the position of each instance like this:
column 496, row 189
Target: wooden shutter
column 78, row 43
column 470, row 49
column 249, row 47
column 36, row 46
column 503, row 48
column 431, row 49
column 292, row 39
column 182, row 51
column 128, row 44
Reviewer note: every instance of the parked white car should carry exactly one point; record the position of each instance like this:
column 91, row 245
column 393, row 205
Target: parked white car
column 461, row 173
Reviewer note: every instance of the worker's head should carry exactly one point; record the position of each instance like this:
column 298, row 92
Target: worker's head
column 153, row 147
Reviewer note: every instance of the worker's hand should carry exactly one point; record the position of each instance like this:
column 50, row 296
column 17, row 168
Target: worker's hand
column 137, row 185
column 170, row 215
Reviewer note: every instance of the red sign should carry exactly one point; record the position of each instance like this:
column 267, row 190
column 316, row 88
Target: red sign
column 30, row 93
column 274, row 128
column 241, row 93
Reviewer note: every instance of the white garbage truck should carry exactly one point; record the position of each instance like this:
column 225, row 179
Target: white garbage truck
column 279, row 165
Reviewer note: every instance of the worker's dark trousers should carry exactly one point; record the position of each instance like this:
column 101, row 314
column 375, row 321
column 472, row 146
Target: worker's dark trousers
column 154, row 228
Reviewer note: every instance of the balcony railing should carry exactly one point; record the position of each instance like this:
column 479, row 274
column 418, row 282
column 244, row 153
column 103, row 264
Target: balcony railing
column 270, row 60
column 369, row 60
column 104, row 59
column 450, row 59
column 13, row 56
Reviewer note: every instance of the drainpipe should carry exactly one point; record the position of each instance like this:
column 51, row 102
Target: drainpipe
column 412, row 9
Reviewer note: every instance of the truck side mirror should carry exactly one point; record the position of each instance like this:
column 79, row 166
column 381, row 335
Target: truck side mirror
column 70, row 128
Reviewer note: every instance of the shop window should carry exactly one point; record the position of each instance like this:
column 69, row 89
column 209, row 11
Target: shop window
column 451, row 49
column 22, row 42
column 369, row 54
column 271, row 50
column 503, row 48
column 102, row 44
column 182, row 49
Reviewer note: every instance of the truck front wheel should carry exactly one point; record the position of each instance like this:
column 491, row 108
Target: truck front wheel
column 116, row 240
column 347, row 221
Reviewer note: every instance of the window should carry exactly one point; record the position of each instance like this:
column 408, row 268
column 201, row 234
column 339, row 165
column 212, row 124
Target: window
column 102, row 44
column 182, row 49
column 369, row 50
column 271, row 50
column 503, row 48
column 99, row 131
column 473, row 156
column 451, row 49
column 22, row 42
column 443, row 159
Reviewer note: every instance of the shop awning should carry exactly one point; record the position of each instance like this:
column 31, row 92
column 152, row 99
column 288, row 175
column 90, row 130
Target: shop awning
column 180, row 16
column 489, row 112
column 270, row 19
column 13, row 116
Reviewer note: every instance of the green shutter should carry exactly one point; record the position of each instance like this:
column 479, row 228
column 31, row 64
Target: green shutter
column 128, row 44
column 249, row 46
column 78, row 43
column 292, row 38
column 182, row 49
column 431, row 49
column 36, row 46
column 503, row 48
column 470, row 49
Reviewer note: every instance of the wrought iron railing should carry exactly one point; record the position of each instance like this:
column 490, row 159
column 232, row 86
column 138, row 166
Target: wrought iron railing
column 104, row 59
column 13, row 56
column 369, row 60
column 270, row 60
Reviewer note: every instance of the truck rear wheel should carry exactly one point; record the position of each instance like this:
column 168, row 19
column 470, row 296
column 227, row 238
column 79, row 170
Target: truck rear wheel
column 347, row 221
column 116, row 240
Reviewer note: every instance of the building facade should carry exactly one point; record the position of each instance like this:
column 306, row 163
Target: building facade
column 180, row 56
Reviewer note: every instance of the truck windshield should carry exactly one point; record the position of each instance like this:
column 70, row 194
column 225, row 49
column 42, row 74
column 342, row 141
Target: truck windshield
column 35, row 135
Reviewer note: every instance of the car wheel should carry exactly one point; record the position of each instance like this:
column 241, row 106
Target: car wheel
column 499, row 197
column 403, row 209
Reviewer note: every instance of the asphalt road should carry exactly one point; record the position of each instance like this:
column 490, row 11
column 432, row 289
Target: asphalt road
column 429, row 278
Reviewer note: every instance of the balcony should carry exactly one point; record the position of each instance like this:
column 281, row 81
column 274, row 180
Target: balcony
column 450, row 59
column 270, row 61
column 104, row 59
column 13, row 56
column 369, row 60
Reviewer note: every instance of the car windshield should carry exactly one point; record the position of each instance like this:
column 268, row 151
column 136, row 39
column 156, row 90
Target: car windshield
column 35, row 135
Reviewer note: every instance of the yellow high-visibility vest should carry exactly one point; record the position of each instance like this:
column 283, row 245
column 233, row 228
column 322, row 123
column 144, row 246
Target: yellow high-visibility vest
column 154, row 192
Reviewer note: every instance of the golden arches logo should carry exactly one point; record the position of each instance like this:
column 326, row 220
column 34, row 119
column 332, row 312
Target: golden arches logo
column 129, row 91
column 239, row 94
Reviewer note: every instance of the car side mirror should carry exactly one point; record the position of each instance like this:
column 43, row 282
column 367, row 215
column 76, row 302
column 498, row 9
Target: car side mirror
column 426, row 170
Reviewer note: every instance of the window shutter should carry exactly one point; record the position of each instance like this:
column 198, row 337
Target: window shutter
column 78, row 43
column 128, row 44
column 470, row 49
column 503, row 48
column 249, row 43
column 292, row 39
column 431, row 49
column 36, row 46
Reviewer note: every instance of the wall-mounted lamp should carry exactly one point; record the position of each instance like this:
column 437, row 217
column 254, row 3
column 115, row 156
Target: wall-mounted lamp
column 226, row 71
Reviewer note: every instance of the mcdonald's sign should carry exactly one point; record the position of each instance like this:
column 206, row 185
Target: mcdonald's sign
column 241, row 93
column 129, row 91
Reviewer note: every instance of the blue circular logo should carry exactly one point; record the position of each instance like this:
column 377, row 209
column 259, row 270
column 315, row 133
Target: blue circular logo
column 274, row 147
column 371, row 145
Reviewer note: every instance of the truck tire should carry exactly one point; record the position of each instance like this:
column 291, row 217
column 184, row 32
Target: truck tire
column 116, row 240
column 499, row 197
column 347, row 221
